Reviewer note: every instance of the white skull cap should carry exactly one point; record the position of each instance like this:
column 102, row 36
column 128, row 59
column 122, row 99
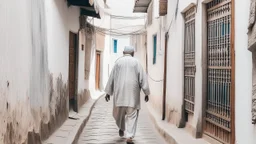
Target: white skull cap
column 128, row 49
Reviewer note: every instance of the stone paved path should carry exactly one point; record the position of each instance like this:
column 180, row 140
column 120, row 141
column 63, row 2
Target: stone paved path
column 101, row 127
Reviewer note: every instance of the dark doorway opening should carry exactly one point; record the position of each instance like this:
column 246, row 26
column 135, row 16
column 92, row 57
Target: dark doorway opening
column 73, row 70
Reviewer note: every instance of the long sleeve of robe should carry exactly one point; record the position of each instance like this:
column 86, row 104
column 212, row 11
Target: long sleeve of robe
column 126, row 81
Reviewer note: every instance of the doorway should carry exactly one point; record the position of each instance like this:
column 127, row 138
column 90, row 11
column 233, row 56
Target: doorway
column 97, row 73
column 72, row 78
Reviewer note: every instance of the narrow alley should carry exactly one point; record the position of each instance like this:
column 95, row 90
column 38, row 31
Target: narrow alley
column 192, row 63
column 101, row 127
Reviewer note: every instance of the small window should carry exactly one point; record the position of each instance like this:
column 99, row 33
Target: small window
column 115, row 46
column 154, row 48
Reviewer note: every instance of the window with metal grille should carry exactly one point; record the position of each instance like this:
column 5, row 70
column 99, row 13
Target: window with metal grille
column 154, row 48
column 189, row 60
column 115, row 45
column 218, row 111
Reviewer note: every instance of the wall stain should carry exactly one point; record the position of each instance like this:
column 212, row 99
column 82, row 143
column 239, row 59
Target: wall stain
column 59, row 110
column 82, row 97
column 8, row 136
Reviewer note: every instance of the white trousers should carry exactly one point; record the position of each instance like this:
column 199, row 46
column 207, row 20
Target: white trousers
column 126, row 119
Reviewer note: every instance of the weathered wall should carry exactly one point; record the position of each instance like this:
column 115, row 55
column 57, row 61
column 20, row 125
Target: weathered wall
column 155, row 71
column 34, row 74
column 60, row 20
column 15, row 62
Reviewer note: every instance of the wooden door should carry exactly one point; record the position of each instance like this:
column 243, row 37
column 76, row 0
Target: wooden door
column 97, row 75
column 72, row 64
column 219, row 120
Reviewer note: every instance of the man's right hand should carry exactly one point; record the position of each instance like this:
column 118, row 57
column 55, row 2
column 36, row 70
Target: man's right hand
column 107, row 97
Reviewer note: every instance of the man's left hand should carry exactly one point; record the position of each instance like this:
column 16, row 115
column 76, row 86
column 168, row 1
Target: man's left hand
column 107, row 97
column 146, row 98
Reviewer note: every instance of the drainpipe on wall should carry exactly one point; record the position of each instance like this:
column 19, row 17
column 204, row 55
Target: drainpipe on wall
column 165, row 71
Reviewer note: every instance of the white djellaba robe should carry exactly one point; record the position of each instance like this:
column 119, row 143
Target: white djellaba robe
column 125, row 83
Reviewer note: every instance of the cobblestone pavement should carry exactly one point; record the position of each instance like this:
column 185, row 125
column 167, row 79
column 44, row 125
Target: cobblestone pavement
column 101, row 127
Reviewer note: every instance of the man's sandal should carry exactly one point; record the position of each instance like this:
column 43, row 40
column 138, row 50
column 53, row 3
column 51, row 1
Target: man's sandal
column 129, row 141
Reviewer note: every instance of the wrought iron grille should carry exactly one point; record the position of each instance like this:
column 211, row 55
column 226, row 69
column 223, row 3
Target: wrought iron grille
column 189, row 61
column 218, row 112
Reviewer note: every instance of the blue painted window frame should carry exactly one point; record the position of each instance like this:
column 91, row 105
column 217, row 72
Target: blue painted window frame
column 154, row 48
column 115, row 45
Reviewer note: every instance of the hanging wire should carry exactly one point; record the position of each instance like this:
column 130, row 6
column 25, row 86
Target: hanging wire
column 117, row 32
column 127, row 17
column 154, row 79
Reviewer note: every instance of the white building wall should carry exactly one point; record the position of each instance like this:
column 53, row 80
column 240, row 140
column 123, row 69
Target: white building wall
column 105, row 63
column 34, row 56
column 81, row 57
column 15, row 62
column 155, row 71
column 60, row 21
column 245, row 131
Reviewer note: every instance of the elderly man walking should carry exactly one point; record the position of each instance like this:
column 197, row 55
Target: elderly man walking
column 125, row 83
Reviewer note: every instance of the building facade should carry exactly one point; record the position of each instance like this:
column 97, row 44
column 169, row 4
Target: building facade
column 44, row 69
column 208, row 85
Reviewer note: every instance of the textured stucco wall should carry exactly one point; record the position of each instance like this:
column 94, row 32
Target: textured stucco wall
column 155, row 71
column 15, row 62
column 34, row 73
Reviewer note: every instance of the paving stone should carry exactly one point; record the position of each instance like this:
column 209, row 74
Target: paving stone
column 101, row 127
column 63, row 134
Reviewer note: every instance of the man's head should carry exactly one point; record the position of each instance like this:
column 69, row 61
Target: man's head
column 129, row 50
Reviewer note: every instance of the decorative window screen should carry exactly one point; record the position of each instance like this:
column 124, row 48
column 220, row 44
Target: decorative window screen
column 218, row 110
column 189, row 60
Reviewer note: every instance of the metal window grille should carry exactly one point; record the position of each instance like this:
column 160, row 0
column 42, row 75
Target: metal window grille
column 189, row 61
column 218, row 112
